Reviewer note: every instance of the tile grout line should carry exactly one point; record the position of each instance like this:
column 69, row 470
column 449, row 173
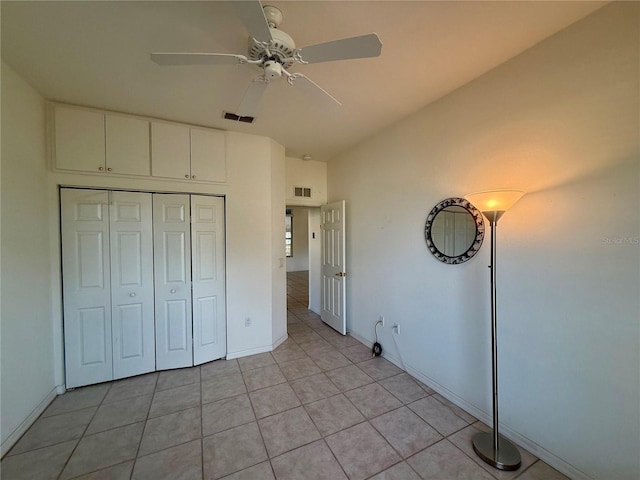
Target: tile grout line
column 84, row 431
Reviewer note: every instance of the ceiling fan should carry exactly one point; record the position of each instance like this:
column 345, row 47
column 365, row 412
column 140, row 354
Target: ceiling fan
column 274, row 51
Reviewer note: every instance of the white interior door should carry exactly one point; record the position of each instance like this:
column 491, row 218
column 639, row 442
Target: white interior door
column 208, row 270
column 132, row 303
column 332, row 225
column 172, row 259
column 86, row 286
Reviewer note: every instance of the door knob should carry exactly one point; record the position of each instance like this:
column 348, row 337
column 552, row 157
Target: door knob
column 173, row 290
column 132, row 294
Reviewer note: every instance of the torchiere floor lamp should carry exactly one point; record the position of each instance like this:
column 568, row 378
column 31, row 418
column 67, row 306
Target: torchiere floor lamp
column 494, row 449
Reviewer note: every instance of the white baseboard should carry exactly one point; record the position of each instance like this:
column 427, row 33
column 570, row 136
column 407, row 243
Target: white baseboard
column 543, row 454
column 255, row 351
column 280, row 341
column 11, row 440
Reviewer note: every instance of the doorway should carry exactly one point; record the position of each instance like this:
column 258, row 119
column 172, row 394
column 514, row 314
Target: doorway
column 303, row 264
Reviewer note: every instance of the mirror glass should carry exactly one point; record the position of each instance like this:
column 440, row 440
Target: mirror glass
column 454, row 230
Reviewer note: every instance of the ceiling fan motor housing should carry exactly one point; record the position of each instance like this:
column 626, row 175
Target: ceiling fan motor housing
column 272, row 70
column 281, row 49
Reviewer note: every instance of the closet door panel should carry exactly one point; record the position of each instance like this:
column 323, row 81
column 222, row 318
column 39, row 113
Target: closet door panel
column 172, row 253
column 208, row 260
column 86, row 286
column 132, row 283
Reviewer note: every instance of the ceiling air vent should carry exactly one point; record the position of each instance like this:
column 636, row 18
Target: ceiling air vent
column 304, row 192
column 238, row 118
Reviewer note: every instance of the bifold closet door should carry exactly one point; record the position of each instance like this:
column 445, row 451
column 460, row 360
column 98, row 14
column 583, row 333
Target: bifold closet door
column 172, row 259
column 107, row 250
column 132, row 305
column 208, row 271
column 86, row 286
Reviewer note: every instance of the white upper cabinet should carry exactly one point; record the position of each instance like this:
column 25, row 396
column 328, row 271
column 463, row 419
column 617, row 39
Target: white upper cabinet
column 92, row 141
column 170, row 156
column 182, row 152
column 127, row 145
column 208, row 155
column 79, row 139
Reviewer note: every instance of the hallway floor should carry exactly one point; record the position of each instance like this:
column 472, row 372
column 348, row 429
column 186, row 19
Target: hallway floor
column 317, row 407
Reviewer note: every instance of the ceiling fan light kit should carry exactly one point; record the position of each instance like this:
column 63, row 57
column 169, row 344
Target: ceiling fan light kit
column 274, row 51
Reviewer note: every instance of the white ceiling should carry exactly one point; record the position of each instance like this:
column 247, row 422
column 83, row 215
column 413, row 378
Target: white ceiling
column 96, row 53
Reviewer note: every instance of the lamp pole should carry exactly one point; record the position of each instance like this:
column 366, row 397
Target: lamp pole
column 495, row 450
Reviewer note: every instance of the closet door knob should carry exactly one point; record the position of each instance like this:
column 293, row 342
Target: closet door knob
column 193, row 176
column 101, row 169
column 109, row 169
column 186, row 176
column 173, row 290
column 132, row 294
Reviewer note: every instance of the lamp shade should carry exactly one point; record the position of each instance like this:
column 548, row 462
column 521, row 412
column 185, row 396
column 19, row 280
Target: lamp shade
column 494, row 200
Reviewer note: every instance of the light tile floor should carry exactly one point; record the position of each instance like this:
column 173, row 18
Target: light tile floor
column 318, row 407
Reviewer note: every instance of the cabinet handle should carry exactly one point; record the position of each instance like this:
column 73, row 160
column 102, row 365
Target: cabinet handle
column 193, row 176
column 101, row 169
column 132, row 294
column 186, row 176
column 109, row 169
column 173, row 290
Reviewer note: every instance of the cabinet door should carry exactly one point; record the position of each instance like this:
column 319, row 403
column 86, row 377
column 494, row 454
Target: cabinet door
column 208, row 155
column 172, row 259
column 127, row 145
column 86, row 286
column 207, row 254
column 79, row 139
column 170, row 157
column 132, row 302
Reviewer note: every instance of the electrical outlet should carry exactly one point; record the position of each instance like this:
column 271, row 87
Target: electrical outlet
column 382, row 319
column 396, row 328
column 247, row 322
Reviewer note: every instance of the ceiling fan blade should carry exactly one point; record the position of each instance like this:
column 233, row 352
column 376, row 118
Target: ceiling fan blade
column 363, row 46
column 252, row 15
column 252, row 97
column 308, row 86
column 197, row 59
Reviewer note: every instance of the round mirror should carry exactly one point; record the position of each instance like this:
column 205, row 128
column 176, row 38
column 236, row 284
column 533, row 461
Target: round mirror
column 454, row 230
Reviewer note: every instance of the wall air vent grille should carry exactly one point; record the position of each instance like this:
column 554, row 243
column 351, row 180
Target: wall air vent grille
column 238, row 118
column 303, row 192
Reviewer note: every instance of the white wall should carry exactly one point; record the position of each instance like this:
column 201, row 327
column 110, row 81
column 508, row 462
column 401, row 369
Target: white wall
column 279, row 275
column 306, row 173
column 561, row 122
column 26, row 327
column 300, row 235
column 315, row 261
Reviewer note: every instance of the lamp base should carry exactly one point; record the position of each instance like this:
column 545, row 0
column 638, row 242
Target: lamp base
column 506, row 458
